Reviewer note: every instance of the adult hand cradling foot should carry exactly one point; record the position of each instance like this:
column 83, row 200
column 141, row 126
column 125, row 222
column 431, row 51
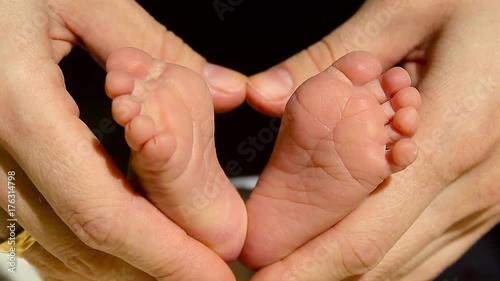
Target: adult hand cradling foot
column 86, row 218
column 90, row 224
column 426, row 217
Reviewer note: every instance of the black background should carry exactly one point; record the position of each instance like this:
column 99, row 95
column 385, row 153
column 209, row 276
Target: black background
column 252, row 37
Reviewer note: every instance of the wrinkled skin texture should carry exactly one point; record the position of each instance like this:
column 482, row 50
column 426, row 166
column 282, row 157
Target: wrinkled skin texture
column 89, row 228
column 423, row 219
column 448, row 200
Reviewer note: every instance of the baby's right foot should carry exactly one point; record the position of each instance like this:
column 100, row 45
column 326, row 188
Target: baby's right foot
column 167, row 112
column 344, row 131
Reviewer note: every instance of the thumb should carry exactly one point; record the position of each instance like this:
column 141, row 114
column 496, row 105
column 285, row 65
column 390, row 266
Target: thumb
column 387, row 28
column 104, row 26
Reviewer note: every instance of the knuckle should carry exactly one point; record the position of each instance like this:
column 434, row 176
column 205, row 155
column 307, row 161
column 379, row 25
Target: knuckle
column 75, row 258
column 42, row 268
column 97, row 228
column 79, row 264
column 176, row 269
column 321, row 54
column 66, row 264
column 360, row 254
column 39, row 260
column 87, row 262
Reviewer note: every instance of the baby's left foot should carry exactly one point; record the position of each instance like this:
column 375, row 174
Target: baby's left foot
column 167, row 112
column 343, row 132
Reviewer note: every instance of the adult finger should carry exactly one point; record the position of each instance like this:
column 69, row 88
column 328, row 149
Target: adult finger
column 449, row 218
column 448, row 253
column 83, row 185
column 359, row 242
column 74, row 174
column 449, row 129
column 390, row 29
column 49, row 266
column 104, row 26
column 64, row 160
column 63, row 253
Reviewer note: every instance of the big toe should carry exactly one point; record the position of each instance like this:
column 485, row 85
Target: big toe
column 359, row 67
column 131, row 60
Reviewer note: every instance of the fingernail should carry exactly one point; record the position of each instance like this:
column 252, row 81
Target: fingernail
column 273, row 84
column 224, row 80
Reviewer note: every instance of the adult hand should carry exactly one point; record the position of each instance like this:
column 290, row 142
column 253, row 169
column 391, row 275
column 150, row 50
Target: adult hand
column 422, row 219
column 87, row 219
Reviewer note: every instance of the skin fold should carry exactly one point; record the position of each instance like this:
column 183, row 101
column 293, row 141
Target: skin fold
column 450, row 196
column 411, row 228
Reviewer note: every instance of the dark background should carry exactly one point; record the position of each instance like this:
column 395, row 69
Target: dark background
column 252, row 37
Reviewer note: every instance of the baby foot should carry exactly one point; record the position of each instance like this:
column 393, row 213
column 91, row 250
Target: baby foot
column 168, row 117
column 343, row 132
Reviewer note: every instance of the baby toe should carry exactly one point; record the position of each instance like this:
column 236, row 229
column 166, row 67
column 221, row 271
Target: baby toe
column 131, row 60
column 359, row 67
column 125, row 108
column 403, row 154
column 406, row 121
column 141, row 129
column 406, row 97
column 157, row 151
column 119, row 83
column 394, row 80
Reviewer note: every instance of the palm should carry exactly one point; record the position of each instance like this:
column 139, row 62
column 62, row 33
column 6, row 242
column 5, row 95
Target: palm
column 44, row 134
column 458, row 111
